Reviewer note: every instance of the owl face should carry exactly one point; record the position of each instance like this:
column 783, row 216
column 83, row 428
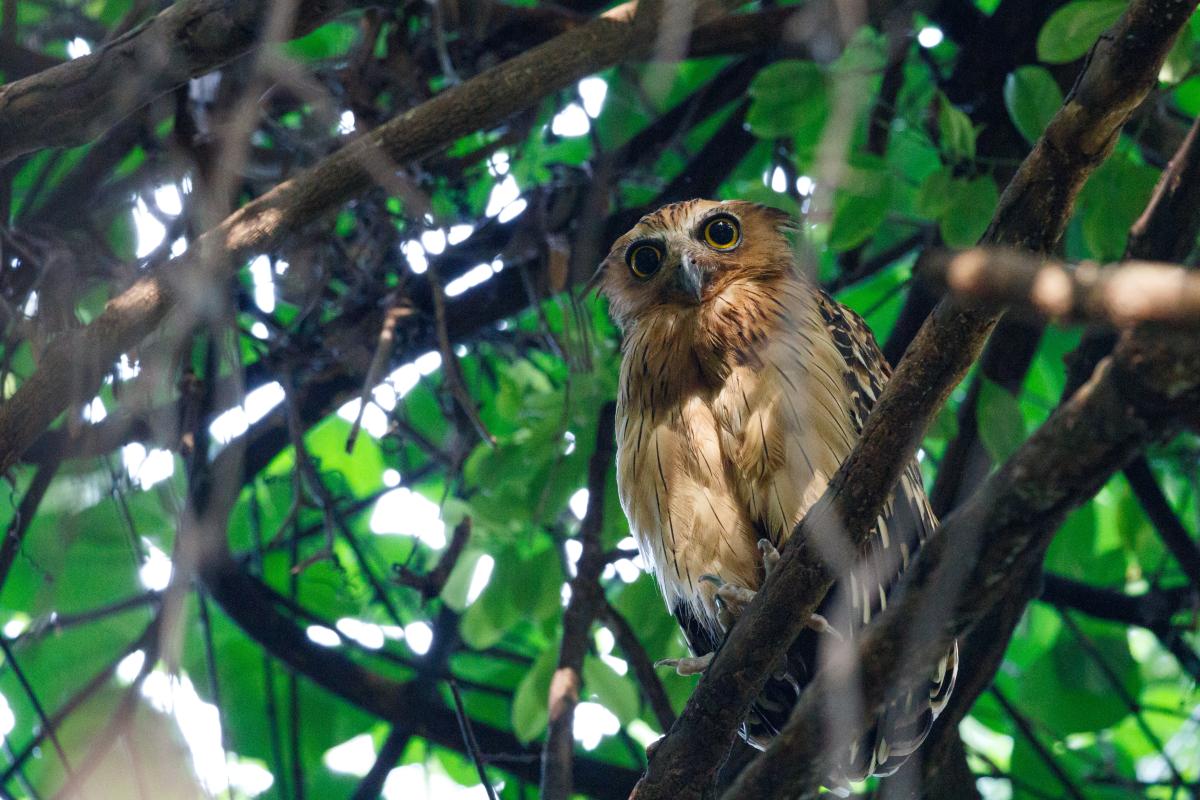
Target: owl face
column 684, row 255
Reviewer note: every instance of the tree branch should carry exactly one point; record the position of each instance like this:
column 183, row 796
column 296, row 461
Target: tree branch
column 74, row 102
column 1166, row 230
column 1149, row 610
column 966, row 568
column 1033, row 213
column 1122, row 295
column 252, row 606
column 643, row 666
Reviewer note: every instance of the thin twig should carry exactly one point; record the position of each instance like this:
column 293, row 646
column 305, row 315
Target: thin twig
column 379, row 363
column 468, row 734
column 430, row 585
column 451, row 369
column 1119, row 689
column 47, row 725
column 1045, row 755
column 371, row 786
column 643, row 665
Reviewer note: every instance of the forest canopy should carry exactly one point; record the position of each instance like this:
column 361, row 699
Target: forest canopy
column 307, row 421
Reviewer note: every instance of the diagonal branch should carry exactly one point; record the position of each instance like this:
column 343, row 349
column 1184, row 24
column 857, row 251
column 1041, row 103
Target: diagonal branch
column 1166, row 230
column 73, row 102
column 643, row 666
column 1033, row 213
column 967, row 567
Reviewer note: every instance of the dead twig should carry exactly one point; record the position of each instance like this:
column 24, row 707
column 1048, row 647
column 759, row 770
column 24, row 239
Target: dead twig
column 430, row 585
column 451, row 369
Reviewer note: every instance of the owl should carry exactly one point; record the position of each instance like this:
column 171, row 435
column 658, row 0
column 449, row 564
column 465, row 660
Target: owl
column 743, row 387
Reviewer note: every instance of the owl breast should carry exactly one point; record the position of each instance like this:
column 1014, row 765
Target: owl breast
column 726, row 434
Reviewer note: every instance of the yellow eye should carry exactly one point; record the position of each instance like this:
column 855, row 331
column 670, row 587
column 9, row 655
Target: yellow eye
column 644, row 259
column 722, row 233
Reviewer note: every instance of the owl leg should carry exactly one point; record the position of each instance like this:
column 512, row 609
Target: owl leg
column 732, row 599
column 691, row 665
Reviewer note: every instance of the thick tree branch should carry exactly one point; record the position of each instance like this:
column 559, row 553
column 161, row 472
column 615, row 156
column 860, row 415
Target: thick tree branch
column 966, row 567
column 1121, row 295
column 1166, row 230
column 74, row 102
column 1033, row 213
column 73, row 364
column 586, row 603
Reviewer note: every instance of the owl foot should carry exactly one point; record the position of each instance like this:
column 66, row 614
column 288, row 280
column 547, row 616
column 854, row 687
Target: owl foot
column 732, row 599
column 691, row 665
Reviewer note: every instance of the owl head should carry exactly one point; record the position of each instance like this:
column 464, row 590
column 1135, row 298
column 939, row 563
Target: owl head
column 684, row 255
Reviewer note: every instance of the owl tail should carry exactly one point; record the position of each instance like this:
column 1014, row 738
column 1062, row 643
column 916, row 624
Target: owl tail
column 899, row 729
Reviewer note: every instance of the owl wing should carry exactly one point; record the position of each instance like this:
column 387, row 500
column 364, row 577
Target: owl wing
column 904, row 523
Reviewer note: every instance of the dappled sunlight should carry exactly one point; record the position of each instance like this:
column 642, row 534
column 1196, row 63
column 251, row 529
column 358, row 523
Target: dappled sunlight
column 335, row 467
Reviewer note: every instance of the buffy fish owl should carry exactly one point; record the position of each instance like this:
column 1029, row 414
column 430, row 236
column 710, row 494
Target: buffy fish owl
column 743, row 387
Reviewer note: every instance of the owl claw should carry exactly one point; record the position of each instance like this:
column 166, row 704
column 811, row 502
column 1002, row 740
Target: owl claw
column 770, row 556
column 821, row 625
column 691, row 665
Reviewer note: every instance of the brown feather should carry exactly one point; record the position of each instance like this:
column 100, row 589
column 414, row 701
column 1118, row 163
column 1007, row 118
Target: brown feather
column 735, row 409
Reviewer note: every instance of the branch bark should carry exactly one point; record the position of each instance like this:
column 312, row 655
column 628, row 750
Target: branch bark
column 74, row 102
column 1033, row 213
column 1121, row 295
column 1166, row 230
column 965, row 569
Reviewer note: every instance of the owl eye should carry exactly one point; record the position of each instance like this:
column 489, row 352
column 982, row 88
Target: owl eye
column 644, row 259
column 722, row 233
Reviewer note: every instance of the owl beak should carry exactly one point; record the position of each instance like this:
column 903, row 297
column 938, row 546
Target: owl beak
column 690, row 279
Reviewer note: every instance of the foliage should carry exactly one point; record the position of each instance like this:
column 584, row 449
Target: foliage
column 335, row 529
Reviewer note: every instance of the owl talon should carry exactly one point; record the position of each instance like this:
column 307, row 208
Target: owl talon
column 770, row 556
column 690, row 665
column 821, row 625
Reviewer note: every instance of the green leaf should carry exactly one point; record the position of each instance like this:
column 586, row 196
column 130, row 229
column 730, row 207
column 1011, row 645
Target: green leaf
column 856, row 218
column 1084, row 696
column 969, row 211
column 1073, row 29
column 1080, row 551
column 454, row 591
column 529, row 713
column 1032, row 97
column 1111, row 201
column 789, row 99
column 861, row 205
column 1001, row 425
column 491, row 615
column 936, row 193
column 328, row 41
column 616, row 693
column 958, row 134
